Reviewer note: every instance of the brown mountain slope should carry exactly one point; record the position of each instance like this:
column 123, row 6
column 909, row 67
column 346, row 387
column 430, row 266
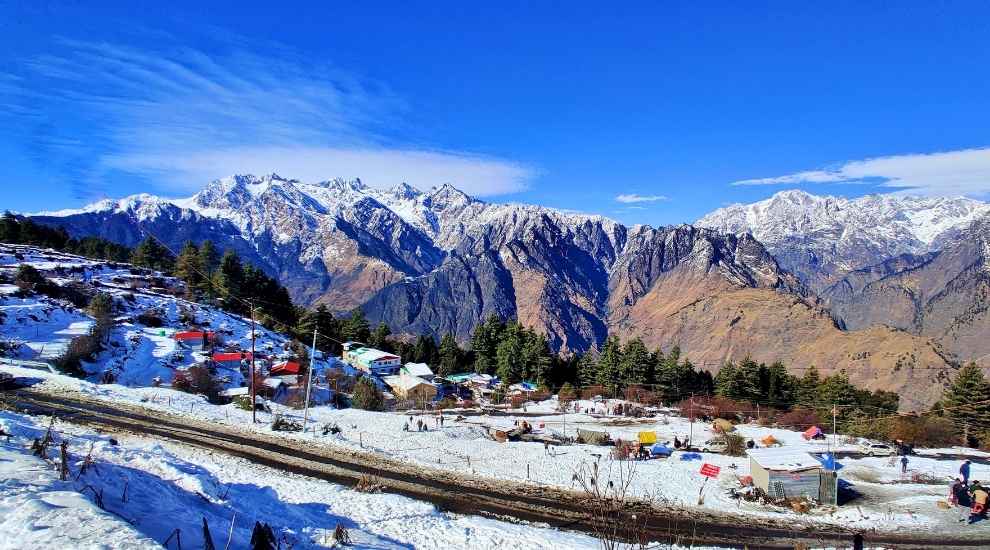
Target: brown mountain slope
column 714, row 320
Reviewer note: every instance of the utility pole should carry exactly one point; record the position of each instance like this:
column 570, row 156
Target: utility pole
column 309, row 382
column 691, row 420
column 254, row 415
column 834, row 442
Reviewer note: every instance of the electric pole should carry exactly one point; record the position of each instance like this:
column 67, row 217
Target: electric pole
column 309, row 382
column 254, row 408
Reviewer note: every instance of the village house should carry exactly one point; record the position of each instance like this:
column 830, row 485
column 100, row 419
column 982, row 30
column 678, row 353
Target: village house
column 231, row 360
column 419, row 370
column 194, row 339
column 285, row 368
column 373, row 361
column 411, row 388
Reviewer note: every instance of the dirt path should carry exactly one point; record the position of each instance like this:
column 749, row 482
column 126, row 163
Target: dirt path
column 450, row 491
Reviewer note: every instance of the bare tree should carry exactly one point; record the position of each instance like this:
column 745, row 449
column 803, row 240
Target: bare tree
column 608, row 493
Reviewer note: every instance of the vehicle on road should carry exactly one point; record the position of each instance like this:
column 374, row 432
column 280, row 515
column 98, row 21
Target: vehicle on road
column 714, row 446
column 876, row 449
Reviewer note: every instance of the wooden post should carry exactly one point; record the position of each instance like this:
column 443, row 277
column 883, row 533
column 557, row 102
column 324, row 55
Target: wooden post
column 309, row 382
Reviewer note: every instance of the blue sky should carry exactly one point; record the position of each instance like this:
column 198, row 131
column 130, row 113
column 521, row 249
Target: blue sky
column 650, row 113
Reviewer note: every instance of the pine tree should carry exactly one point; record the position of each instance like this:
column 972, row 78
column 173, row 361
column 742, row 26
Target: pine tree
column 189, row 268
column 152, row 255
column 208, row 256
column 232, row 284
column 587, row 369
column 749, row 383
column 536, row 358
column 379, row 338
column 610, row 365
column 356, row 327
column 726, row 381
column 780, row 386
column 450, row 356
column 636, row 364
column 966, row 399
column 484, row 342
column 425, row 350
column 509, row 354
column 807, row 388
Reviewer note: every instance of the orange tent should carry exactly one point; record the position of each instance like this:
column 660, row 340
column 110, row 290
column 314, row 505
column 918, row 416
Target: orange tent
column 769, row 441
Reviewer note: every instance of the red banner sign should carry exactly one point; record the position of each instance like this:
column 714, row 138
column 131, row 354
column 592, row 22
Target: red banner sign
column 710, row 470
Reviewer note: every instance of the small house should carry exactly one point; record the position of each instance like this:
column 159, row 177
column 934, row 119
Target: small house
column 419, row 370
column 373, row 361
column 784, row 472
column 194, row 339
column 411, row 387
column 285, row 368
column 231, row 360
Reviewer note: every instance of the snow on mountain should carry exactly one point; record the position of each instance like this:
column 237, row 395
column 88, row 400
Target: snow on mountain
column 824, row 237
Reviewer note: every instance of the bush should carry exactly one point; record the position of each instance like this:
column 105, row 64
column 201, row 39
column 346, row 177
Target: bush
column 150, row 318
column 799, row 418
column 923, row 431
column 591, row 391
column 81, row 348
column 735, row 444
column 198, row 380
column 283, row 424
column 367, row 396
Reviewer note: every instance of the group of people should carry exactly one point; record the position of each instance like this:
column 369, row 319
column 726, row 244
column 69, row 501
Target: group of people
column 421, row 426
column 974, row 495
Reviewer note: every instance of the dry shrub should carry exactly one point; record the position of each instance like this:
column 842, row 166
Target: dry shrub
column 923, row 431
column 591, row 391
column 735, row 444
column 799, row 418
column 197, row 380
column 369, row 484
column 641, row 395
column 283, row 424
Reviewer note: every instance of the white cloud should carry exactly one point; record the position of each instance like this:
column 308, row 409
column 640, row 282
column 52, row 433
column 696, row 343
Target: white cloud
column 177, row 118
column 964, row 172
column 478, row 176
column 631, row 198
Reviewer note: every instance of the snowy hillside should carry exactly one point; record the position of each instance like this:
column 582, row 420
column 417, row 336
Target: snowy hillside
column 38, row 327
column 821, row 237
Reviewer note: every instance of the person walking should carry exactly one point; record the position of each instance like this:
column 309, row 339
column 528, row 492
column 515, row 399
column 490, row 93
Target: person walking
column 904, row 463
column 964, row 472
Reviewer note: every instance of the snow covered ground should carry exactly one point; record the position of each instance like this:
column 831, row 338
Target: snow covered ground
column 149, row 489
column 887, row 501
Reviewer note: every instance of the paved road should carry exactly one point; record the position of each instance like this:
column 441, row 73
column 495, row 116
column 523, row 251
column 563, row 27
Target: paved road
column 457, row 493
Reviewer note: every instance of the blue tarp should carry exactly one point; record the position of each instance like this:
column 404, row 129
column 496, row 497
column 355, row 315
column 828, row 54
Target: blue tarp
column 828, row 461
column 661, row 450
column 690, row 456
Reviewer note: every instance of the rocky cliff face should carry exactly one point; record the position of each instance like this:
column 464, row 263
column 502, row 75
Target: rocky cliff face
column 440, row 261
column 822, row 238
column 942, row 295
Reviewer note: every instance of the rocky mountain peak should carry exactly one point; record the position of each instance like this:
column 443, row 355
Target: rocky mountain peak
column 404, row 191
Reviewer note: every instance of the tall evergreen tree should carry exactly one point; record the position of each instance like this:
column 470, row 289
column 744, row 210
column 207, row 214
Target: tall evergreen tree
column 587, row 369
column 509, row 354
column 379, row 337
column 208, row 256
column 966, row 399
column 484, row 342
column 610, row 365
column 450, row 356
column 780, row 386
column 727, row 381
column 231, row 282
column 153, row 255
column 536, row 358
column 356, row 327
column 636, row 364
column 807, row 388
column 189, row 268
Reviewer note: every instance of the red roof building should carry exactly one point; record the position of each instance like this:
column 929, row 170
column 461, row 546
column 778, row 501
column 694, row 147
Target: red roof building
column 192, row 335
column 235, row 356
column 285, row 367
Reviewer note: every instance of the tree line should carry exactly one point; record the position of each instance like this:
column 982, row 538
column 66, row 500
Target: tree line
column 20, row 230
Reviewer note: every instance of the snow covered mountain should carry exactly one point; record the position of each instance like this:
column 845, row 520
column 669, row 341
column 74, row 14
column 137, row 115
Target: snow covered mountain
column 822, row 238
column 440, row 261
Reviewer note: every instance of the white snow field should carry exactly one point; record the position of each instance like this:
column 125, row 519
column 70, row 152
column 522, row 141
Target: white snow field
column 150, row 489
